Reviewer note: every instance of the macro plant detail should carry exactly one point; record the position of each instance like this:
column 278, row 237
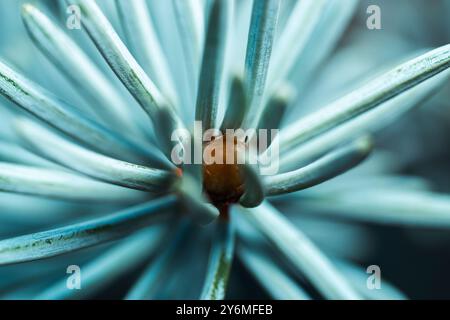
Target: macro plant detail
column 91, row 170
